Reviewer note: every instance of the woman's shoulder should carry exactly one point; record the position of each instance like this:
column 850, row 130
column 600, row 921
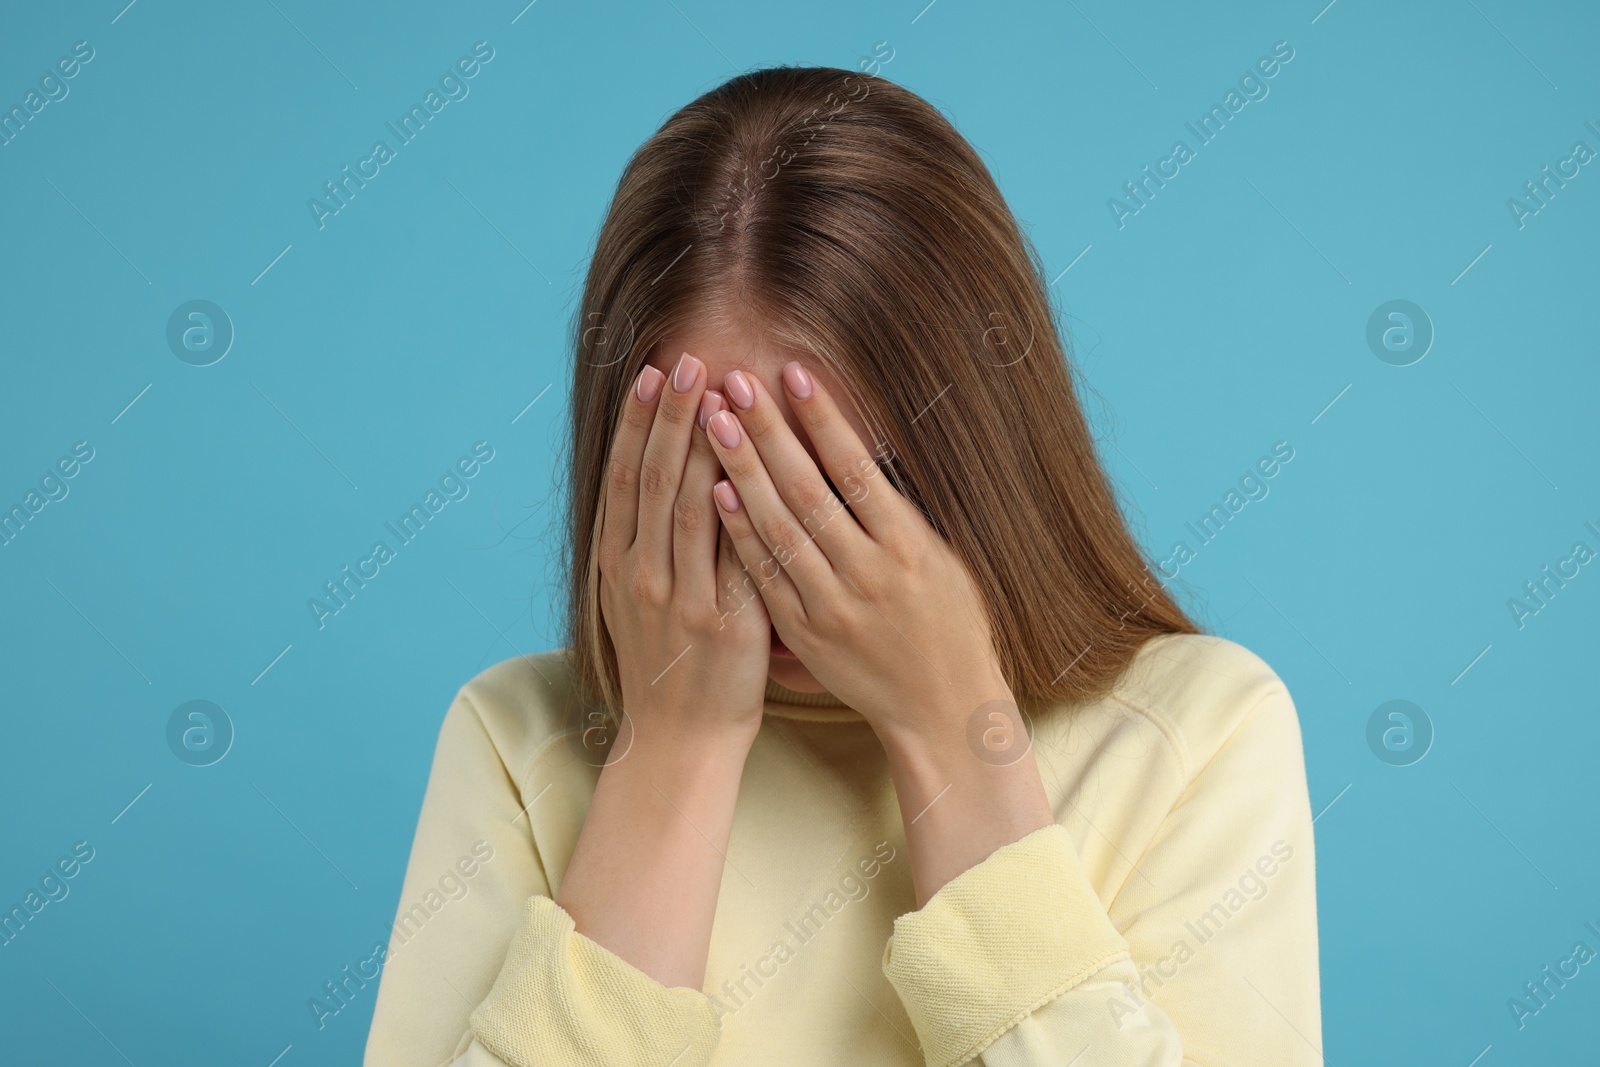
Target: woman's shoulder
column 522, row 703
column 1200, row 690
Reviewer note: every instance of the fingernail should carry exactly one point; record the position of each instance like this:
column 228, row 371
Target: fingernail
column 739, row 390
column 711, row 402
column 684, row 374
column 649, row 384
column 726, row 427
column 726, row 496
column 796, row 378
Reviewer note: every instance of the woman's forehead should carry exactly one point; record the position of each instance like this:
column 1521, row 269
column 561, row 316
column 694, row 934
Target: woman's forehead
column 723, row 350
column 761, row 357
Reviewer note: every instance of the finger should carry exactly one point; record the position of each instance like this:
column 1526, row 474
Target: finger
column 758, row 572
column 738, row 591
column 661, row 469
column 794, row 473
column 769, row 517
column 873, row 500
column 695, row 529
column 622, row 472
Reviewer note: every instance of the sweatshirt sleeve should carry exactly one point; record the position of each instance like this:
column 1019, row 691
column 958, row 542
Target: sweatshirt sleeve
column 452, row 992
column 472, row 867
column 561, row 999
column 1207, row 955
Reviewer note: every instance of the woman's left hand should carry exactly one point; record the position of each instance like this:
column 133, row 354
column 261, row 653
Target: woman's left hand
column 886, row 616
column 875, row 603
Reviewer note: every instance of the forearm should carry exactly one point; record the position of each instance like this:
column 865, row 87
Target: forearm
column 1021, row 958
column 648, row 864
column 958, row 805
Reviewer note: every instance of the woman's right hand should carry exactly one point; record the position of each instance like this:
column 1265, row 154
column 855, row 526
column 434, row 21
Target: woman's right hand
column 690, row 630
column 693, row 656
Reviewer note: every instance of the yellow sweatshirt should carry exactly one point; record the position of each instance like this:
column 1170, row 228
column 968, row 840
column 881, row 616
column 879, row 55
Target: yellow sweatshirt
column 1167, row 917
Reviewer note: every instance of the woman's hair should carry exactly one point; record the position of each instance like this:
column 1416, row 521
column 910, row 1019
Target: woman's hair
column 842, row 215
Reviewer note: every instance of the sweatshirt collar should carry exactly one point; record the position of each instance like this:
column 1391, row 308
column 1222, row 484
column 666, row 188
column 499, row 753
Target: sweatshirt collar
column 814, row 707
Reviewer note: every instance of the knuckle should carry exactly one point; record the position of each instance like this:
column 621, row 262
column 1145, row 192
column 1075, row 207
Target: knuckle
column 689, row 516
column 854, row 486
column 621, row 477
column 676, row 409
column 637, row 417
column 655, row 479
column 907, row 553
column 692, row 617
column 814, row 500
column 743, row 467
column 647, row 587
column 759, row 420
column 812, row 635
column 904, row 548
column 780, row 534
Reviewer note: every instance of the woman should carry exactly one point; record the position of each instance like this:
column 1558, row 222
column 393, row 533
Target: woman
column 916, row 760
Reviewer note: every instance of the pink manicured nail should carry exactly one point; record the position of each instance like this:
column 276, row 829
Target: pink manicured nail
column 711, row 402
column 649, row 384
column 726, row 427
column 796, row 378
column 726, row 496
column 738, row 387
column 684, row 374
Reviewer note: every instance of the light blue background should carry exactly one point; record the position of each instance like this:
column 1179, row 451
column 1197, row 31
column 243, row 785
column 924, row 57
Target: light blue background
column 427, row 315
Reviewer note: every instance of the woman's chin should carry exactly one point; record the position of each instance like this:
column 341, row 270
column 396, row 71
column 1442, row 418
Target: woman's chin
column 793, row 675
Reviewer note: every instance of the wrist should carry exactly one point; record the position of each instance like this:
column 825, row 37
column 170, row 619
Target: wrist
column 965, row 790
column 667, row 753
column 925, row 763
column 983, row 724
column 664, row 798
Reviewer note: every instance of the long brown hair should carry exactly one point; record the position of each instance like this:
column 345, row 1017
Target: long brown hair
column 844, row 216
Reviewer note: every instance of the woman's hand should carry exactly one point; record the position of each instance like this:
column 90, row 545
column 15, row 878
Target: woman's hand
column 649, row 862
column 692, row 643
column 872, row 600
column 886, row 616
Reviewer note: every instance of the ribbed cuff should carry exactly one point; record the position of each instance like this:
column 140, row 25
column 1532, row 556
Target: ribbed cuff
column 562, row 999
column 997, row 942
